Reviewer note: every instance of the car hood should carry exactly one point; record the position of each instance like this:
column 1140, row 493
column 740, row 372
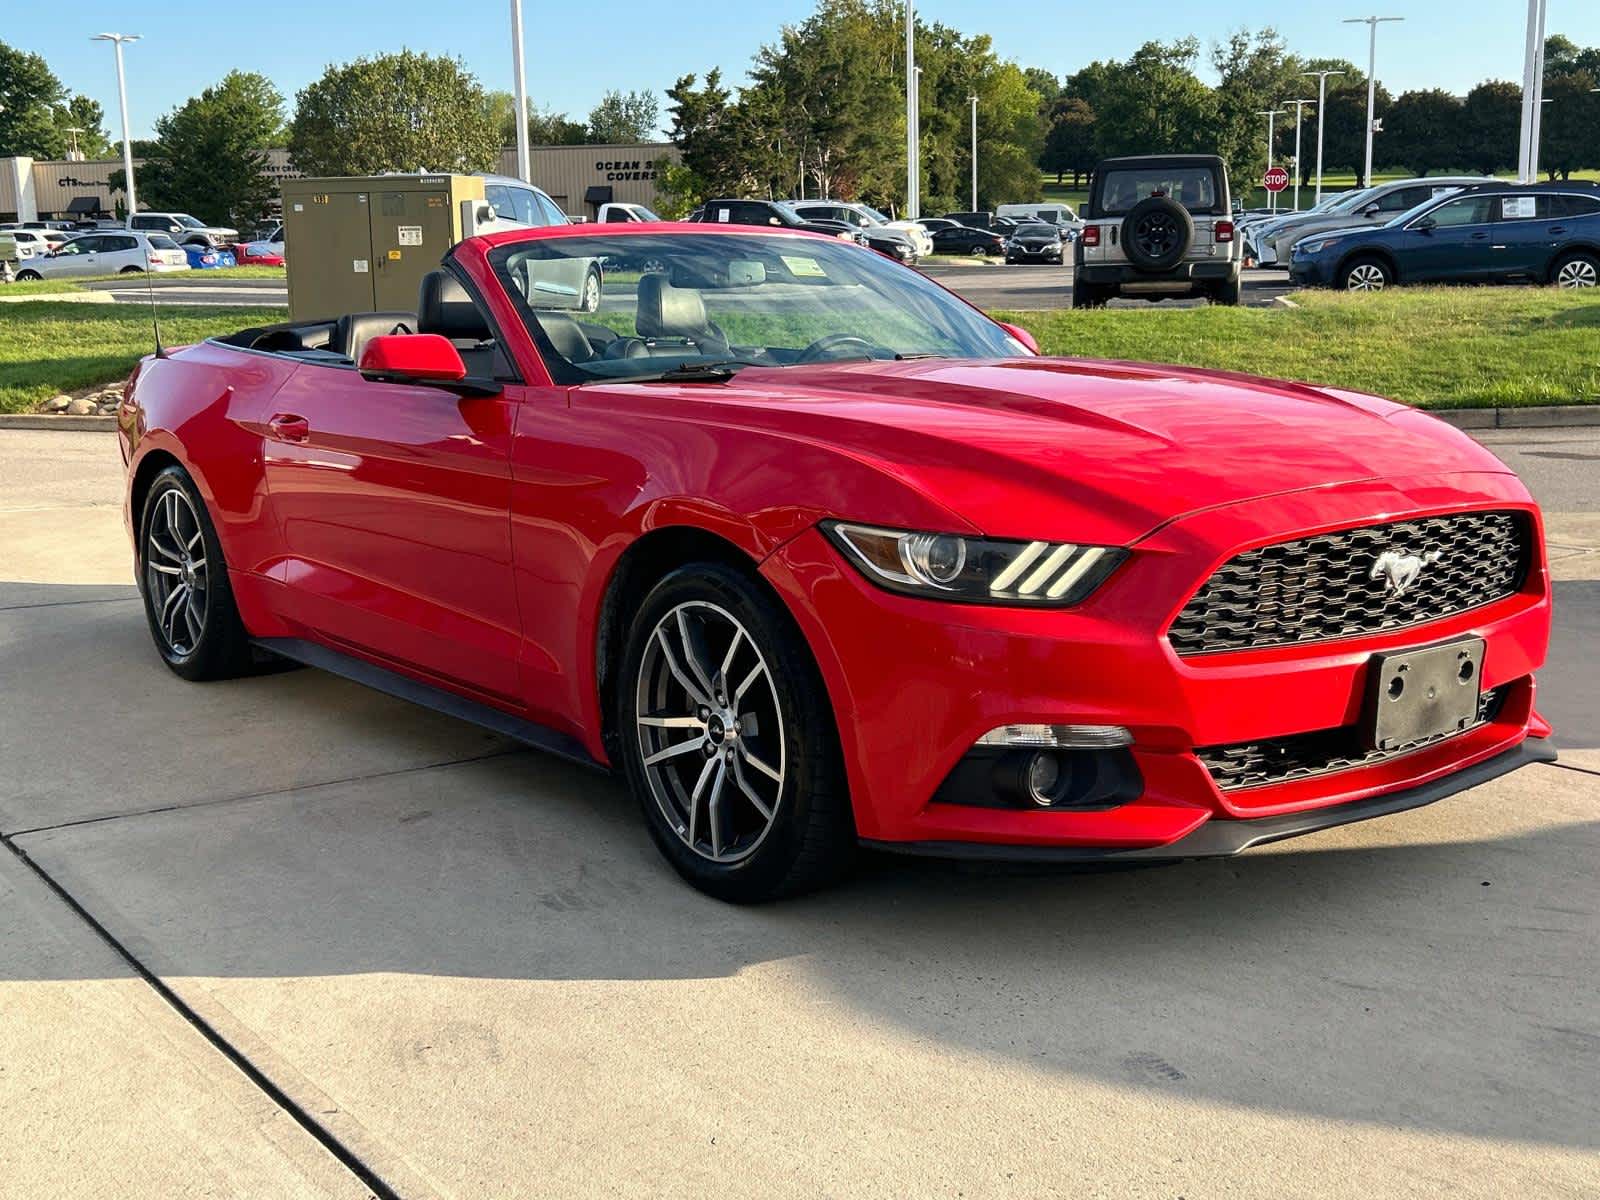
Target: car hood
column 1333, row 231
column 1083, row 450
column 1344, row 221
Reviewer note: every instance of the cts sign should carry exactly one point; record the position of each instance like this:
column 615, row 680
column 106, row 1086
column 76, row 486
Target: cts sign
column 1275, row 180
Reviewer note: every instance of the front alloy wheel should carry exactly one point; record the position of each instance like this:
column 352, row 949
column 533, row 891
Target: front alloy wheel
column 724, row 730
column 710, row 731
column 1367, row 275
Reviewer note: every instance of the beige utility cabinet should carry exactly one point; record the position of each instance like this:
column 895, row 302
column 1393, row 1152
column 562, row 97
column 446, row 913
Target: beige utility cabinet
column 363, row 244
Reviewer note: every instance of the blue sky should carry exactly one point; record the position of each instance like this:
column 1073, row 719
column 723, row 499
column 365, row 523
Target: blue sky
column 576, row 51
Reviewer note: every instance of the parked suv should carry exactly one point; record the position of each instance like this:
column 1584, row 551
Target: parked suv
column 1487, row 233
column 1376, row 206
column 1157, row 226
column 770, row 213
column 905, row 243
column 183, row 229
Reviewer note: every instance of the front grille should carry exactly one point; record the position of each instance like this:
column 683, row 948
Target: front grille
column 1319, row 588
column 1304, row 755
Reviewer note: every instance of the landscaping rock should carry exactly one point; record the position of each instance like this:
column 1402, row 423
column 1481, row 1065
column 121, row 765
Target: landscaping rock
column 57, row 403
column 81, row 407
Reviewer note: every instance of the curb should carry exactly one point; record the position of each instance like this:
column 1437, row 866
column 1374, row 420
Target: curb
column 106, row 424
column 1545, row 416
column 191, row 280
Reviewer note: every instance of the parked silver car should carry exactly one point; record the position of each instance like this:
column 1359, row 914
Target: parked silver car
column 1374, row 206
column 120, row 253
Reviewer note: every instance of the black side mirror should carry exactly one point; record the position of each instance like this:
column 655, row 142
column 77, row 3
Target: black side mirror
column 1426, row 224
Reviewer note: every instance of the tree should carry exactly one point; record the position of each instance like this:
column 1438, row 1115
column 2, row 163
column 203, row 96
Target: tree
column 1155, row 104
column 208, row 159
column 1069, row 140
column 1423, row 131
column 1567, row 142
column 86, row 116
column 1491, row 119
column 620, row 117
column 1254, row 74
column 396, row 112
column 703, row 119
column 1044, row 85
column 30, row 98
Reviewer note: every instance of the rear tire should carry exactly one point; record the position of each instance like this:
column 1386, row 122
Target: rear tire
column 1227, row 292
column 183, row 578
column 1577, row 269
column 131, row 271
column 740, row 779
column 28, row 276
column 1366, row 275
column 1088, row 295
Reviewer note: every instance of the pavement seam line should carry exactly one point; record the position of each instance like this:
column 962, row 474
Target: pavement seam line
column 65, row 603
column 214, row 801
column 324, row 1137
column 1566, row 766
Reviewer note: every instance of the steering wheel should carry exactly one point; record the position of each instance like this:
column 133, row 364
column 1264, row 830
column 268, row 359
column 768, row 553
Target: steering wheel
column 825, row 348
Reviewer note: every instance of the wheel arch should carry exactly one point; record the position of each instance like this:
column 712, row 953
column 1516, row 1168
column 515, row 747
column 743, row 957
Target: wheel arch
column 151, row 464
column 1382, row 254
column 644, row 563
column 1591, row 248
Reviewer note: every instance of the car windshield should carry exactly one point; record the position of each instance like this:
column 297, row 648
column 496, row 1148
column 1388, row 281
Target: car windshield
column 708, row 304
column 1193, row 187
column 1353, row 200
column 1416, row 210
column 188, row 222
column 644, row 214
column 1036, row 228
column 873, row 213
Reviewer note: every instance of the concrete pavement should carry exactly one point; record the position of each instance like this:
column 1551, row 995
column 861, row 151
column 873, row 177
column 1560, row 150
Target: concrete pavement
column 466, row 963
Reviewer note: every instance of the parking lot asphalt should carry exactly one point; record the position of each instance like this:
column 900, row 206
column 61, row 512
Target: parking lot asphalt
column 466, row 968
column 1020, row 286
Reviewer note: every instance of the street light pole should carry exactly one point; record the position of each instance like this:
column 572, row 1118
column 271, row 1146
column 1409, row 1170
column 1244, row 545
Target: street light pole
column 1299, row 118
column 974, row 102
column 1271, row 115
column 519, row 86
column 1322, row 107
column 1372, row 24
column 117, row 39
column 1532, row 95
column 913, row 205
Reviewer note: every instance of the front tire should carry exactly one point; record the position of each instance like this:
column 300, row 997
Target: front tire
column 727, row 740
column 591, row 291
column 1366, row 275
column 183, row 578
column 28, row 276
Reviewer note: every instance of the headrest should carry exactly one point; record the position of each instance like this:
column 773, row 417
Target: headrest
column 443, row 307
column 566, row 335
column 666, row 311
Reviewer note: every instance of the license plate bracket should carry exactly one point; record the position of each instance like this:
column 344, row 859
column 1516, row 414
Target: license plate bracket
column 1413, row 695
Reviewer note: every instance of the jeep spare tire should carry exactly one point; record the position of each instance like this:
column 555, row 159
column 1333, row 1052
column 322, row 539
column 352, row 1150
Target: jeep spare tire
column 1156, row 233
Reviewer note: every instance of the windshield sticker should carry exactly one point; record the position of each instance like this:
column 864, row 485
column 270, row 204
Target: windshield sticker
column 803, row 266
column 1516, row 208
column 722, row 216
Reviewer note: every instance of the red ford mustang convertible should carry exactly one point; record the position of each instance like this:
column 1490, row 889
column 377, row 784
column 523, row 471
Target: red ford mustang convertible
column 819, row 555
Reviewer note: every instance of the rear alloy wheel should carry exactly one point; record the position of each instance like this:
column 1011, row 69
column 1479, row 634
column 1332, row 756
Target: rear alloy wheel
column 726, row 741
column 1366, row 275
column 591, row 292
column 1577, row 270
column 184, row 581
column 28, row 276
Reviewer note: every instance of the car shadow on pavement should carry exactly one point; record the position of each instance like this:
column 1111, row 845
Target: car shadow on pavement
column 1433, row 970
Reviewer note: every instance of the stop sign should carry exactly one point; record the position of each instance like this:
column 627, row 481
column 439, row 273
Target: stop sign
column 1275, row 180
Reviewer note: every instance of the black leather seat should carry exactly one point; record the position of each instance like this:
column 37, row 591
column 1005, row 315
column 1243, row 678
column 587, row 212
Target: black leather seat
column 352, row 332
column 443, row 307
column 565, row 334
column 667, row 311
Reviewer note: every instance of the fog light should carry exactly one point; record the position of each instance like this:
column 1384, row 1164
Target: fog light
column 1044, row 779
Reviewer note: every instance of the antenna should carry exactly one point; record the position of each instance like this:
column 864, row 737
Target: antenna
column 150, row 290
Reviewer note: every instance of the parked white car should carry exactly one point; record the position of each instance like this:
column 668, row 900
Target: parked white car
column 620, row 212
column 184, row 229
column 31, row 242
column 120, row 253
column 1050, row 213
column 865, row 218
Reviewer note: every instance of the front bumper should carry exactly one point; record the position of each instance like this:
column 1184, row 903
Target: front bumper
column 1311, row 272
column 916, row 683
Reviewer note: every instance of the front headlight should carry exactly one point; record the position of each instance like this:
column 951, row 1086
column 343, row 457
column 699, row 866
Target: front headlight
column 1313, row 247
column 947, row 566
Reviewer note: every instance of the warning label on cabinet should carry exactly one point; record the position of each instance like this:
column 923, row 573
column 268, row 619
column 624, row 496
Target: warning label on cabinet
column 411, row 235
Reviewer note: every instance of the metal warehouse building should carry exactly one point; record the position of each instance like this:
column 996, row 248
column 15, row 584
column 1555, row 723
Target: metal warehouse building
column 581, row 178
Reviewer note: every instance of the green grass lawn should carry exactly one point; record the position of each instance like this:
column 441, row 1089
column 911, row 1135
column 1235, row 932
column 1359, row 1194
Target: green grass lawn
column 57, row 346
column 1433, row 347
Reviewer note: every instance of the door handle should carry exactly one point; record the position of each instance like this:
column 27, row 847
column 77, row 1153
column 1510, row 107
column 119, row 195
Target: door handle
column 1480, row 237
column 287, row 427
column 1558, row 229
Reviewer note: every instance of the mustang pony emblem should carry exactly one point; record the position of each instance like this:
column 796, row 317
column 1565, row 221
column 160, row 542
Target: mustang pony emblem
column 1399, row 571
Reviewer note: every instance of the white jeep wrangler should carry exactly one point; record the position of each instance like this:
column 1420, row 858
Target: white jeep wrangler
column 1156, row 226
